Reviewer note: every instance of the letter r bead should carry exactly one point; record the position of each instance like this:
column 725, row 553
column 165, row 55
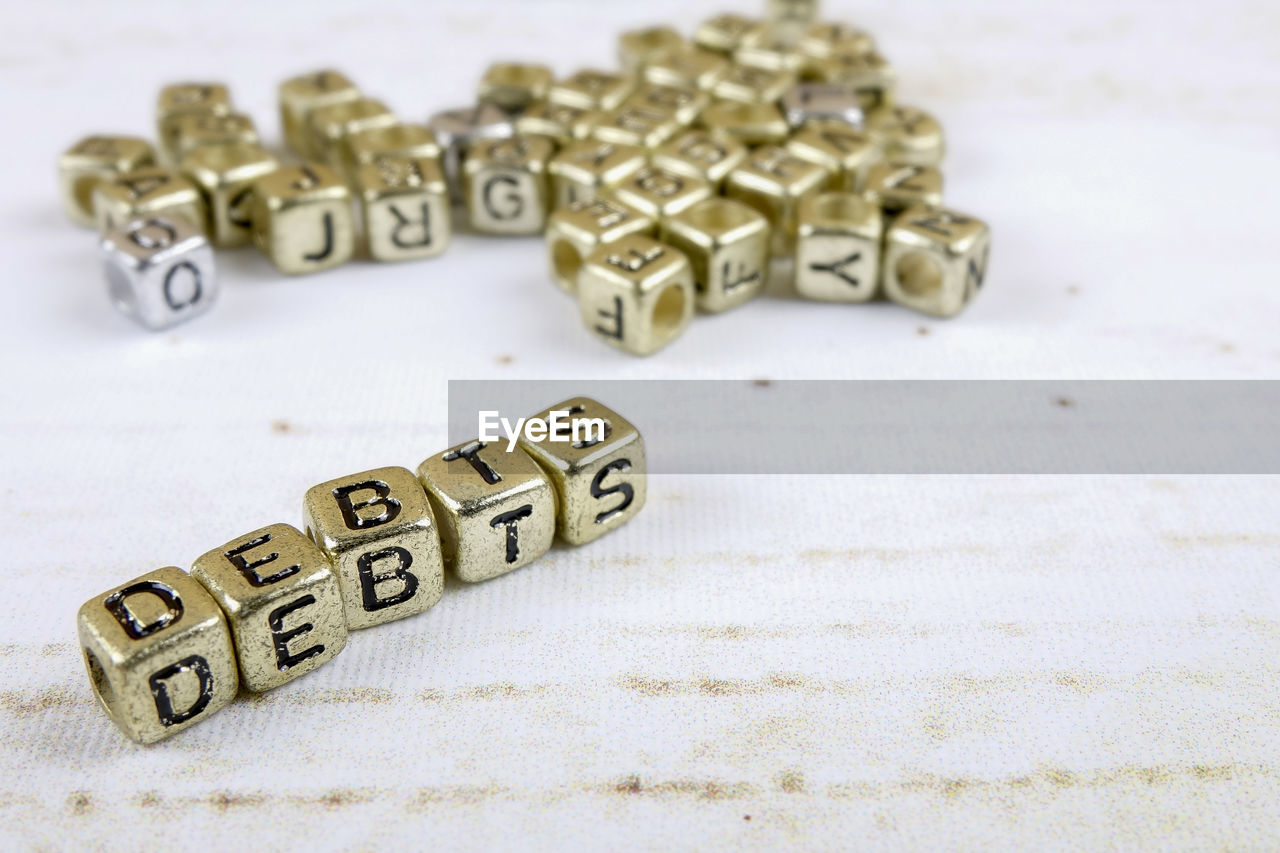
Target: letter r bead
column 159, row 654
column 380, row 534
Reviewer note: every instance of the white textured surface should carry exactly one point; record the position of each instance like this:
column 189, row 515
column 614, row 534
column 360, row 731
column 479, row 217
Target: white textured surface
column 1067, row 662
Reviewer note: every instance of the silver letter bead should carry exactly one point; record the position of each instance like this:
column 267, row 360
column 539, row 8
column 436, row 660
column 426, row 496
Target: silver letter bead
column 160, row 270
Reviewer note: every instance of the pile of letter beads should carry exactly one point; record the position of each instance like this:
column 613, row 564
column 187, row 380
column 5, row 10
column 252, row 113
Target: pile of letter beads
column 169, row 648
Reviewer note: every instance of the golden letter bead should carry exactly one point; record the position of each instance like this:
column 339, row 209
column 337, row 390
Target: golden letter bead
column 576, row 230
column 895, row 188
column 727, row 243
column 589, row 89
column 644, row 127
column 405, row 206
column 192, row 99
column 301, row 95
column 865, row 74
column 771, row 47
column 682, row 103
column 507, row 188
column 636, row 294
column 935, row 260
column 723, row 33
column 687, row 66
column 599, row 480
column 660, row 194
column 497, row 510
column 281, row 600
column 838, row 248
column 750, row 124
column 146, row 192
column 457, row 130
column 331, row 125
column 908, row 136
column 94, row 159
column 225, row 175
column 637, row 47
column 753, row 85
column 784, row 12
column 847, row 154
column 302, row 219
column 702, row 154
column 585, row 169
column 774, row 182
column 183, row 134
column 159, row 654
column 378, row 530
column 560, row 123
column 405, row 141
column 513, row 86
column 822, row 41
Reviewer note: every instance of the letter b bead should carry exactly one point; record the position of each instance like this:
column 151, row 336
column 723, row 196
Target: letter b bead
column 599, row 482
column 159, row 654
column 282, row 601
column 378, row 531
column 496, row 508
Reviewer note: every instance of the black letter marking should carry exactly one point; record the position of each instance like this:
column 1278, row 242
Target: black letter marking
column 516, row 206
column 404, row 222
column 117, row 607
column 510, row 519
column 616, row 331
column 836, row 268
column 731, row 283
column 350, row 510
column 328, row 241
column 249, row 569
column 471, row 453
column 196, row 290
column 280, row 637
column 369, row 581
column 160, row 690
column 624, row 489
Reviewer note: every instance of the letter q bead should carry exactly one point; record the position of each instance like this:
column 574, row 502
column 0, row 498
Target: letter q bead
column 159, row 270
column 496, row 508
column 380, row 534
column 599, row 481
column 281, row 600
column 159, row 654
column 636, row 294
column 935, row 260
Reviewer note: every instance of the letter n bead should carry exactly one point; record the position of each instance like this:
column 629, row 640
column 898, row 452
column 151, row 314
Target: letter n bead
column 599, row 482
column 159, row 654
column 497, row 510
column 636, row 294
column 282, row 601
column 378, row 531
column 935, row 260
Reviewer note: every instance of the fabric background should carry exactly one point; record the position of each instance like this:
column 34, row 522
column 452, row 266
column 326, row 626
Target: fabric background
column 880, row 662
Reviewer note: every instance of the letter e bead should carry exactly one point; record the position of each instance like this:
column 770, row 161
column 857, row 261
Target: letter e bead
column 159, row 654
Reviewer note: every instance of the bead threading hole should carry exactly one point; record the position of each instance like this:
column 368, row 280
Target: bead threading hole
column 567, row 262
column 918, row 274
column 668, row 312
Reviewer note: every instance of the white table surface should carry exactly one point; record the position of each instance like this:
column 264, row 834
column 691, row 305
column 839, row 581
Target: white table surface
column 881, row 662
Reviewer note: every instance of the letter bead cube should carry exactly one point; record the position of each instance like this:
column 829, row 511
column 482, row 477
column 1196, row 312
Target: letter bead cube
column 590, row 89
column 281, row 600
column 457, row 130
column 723, row 33
column 507, row 187
column 302, row 219
column 750, row 124
column 378, row 531
column 183, row 100
column 159, row 270
column 185, row 133
column 660, row 194
column 687, row 66
column 866, row 75
column 598, row 477
column 908, row 136
column 727, row 243
column 636, row 48
column 497, row 510
column 895, row 188
column 575, row 231
column 636, row 294
column 330, row 126
column 300, row 96
column 584, row 170
column 152, row 191
column 774, row 182
column 935, row 260
column 513, row 86
column 754, row 85
column 838, row 248
column 844, row 151
column 704, row 154
column 630, row 124
column 159, row 654
column 558, row 122
column 405, row 206
column 824, row 40
column 682, row 103
column 92, row 160
column 410, row 141
column 225, row 175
